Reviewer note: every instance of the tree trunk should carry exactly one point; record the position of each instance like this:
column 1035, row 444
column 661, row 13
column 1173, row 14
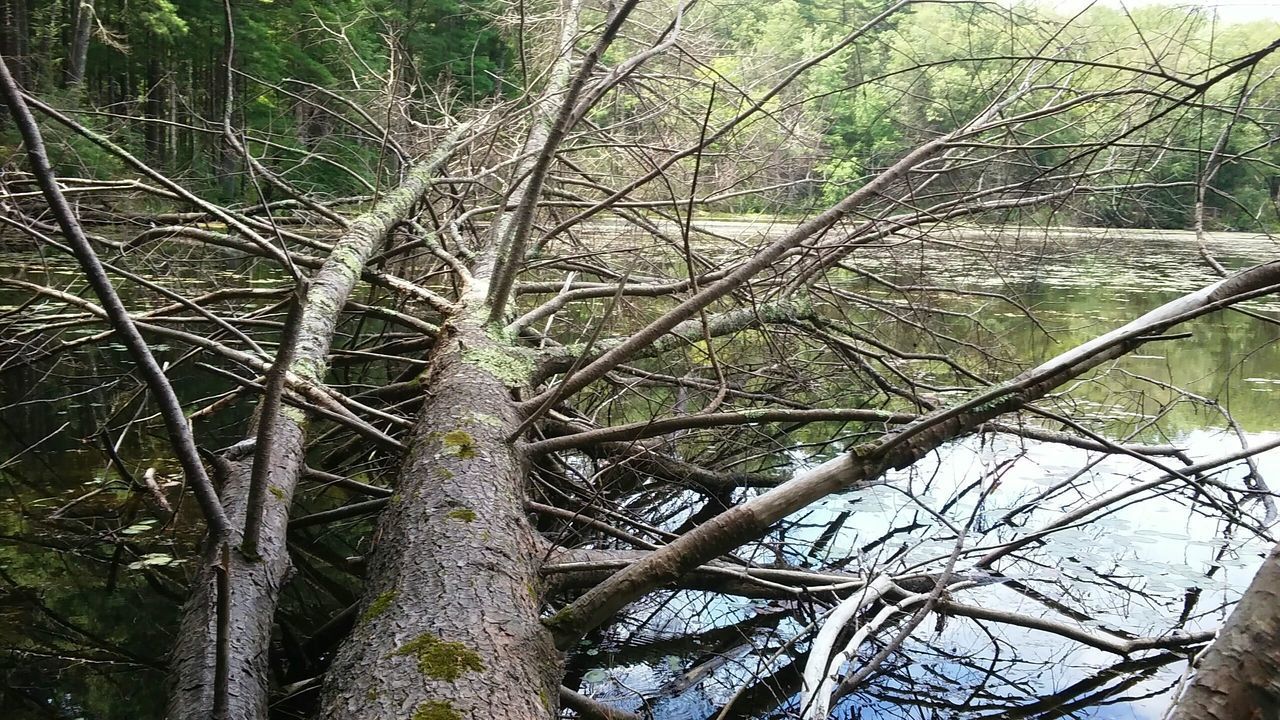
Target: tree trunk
column 255, row 583
column 1239, row 676
column 78, row 53
column 13, row 39
column 154, row 109
column 255, row 586
column 450, row 626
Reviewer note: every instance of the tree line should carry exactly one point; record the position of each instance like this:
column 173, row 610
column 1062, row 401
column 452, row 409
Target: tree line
column 153, row 75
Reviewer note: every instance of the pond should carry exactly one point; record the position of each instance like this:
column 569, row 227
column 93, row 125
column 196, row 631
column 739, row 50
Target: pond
column 1146, row 566
column 1151, row 564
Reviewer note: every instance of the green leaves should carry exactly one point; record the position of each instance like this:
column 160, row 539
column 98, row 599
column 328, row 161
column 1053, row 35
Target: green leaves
column 161, row 19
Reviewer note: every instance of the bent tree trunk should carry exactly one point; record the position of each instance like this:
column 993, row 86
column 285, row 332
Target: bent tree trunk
column 450, row 625
column 255, row 583
column 1239, row 677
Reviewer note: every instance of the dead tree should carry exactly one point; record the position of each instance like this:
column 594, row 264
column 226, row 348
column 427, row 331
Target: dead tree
column 522, row 483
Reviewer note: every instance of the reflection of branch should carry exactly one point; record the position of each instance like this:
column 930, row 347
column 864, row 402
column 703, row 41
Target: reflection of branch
column 1101, row 641
column 590, row 708
column 867, row 463
column 1106, row 501
column 64, row 622
column 176, row 424
column 1076, row 696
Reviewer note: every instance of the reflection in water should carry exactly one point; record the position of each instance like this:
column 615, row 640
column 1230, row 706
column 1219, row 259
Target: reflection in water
column 1154, row 565
column 81, row 558
column 1125, row 575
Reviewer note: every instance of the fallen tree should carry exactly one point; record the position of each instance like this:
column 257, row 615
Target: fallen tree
column 491, row 419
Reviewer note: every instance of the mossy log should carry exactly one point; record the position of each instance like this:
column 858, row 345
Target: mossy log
column 451, row 628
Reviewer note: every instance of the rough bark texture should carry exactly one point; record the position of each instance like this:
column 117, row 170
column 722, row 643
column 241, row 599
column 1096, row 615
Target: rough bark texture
column 255, row 584
column 1239, row 676
column 255, row 587
column 450, row 625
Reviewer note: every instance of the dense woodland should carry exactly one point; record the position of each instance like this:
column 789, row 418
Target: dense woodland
column 441, row 360
column 154, row 75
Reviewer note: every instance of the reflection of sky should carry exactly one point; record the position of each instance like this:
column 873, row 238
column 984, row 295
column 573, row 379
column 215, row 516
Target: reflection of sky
column 1128, row 570
column 1156, row 545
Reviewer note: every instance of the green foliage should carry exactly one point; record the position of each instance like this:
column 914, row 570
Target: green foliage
column 69, row 152
column 163, row 60
column 930, row 69
column 161, row 20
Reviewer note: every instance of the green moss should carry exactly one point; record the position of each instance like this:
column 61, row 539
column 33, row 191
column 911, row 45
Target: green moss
column 513, row 366
column 308, row 368
column 464, row 514
column 346, row 255
column 498, row 332
column 440, row 659
column 436, row 710
column 444, row 473
column 865, row 450
column 482, row 419
column 372, row 695
column 786, row 310
column 297, row 415
column 277, row 492
column 563, row 618
column 460, row 443
column 378, row 606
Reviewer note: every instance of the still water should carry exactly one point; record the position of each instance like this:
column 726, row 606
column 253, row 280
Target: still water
column 1146, row 566
column 1151, row 564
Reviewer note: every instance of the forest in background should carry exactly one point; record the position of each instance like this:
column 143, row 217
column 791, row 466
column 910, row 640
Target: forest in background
column 465, row 402
column 152, row 76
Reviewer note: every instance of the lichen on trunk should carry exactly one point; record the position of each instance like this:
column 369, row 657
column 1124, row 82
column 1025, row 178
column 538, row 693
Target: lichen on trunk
column 451, row 624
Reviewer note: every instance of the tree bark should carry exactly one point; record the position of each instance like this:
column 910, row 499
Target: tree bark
column 81, row 32
column 153, row 108
column 13, row 38
column 450, row 625
column 256, row 582
column 255, row 587
column 1239, row 676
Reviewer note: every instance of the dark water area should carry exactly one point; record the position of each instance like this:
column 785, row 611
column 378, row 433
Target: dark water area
column 83, row 563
